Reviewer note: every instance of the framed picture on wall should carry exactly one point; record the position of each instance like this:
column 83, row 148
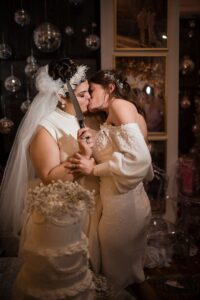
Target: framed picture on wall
column 140, row 24
column 147, row 78
column 156, row 188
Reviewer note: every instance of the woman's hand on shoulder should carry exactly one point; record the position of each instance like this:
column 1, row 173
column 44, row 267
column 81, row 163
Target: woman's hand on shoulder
column 122, row 112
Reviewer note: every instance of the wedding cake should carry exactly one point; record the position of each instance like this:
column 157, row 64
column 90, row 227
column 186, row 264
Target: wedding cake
column 53, row 245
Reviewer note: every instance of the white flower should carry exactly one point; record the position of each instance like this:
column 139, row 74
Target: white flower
column 58, row 198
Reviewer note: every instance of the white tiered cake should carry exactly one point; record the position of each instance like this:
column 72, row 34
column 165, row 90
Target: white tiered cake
column 53, row 245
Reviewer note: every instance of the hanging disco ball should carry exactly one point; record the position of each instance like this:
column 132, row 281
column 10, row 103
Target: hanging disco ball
column 31, row 60
column 47, row 37
column 6, row 125
column 32, row 67
column 25, row 105
column 31, row 70
column 5, row 51
column 92, row 42
column 69, row 30
column 12, row 84
column 22, row 17
column 186, row 65
column 84, row 30
column 75, row 2
column 185, row 102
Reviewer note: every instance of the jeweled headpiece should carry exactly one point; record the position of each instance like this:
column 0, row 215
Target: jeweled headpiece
column 46, row 84
column 75, row 80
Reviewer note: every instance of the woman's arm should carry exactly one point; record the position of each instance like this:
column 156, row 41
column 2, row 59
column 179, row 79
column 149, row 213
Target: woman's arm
column 45, row 156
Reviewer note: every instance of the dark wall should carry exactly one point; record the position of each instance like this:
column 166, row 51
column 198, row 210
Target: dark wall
column 189, row 83
column 60, row 13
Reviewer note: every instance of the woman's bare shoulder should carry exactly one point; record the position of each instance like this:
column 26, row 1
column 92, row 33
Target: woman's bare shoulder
column 123, row 111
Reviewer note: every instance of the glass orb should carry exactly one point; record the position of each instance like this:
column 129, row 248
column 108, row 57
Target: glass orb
column 5, row 51
column 22, row 17
column 31, row 59
column 69, row 30
column 186, row 65
column 83, row 30
column 25, row 106
column 12, row 84
column 92, row 42
column 47, row 37
column 185, row 102
column 75, row 2
column 196, row 128
column 6, row 125
column 31, row 69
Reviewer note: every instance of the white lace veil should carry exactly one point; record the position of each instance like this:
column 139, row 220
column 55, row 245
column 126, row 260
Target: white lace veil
column 19, row 170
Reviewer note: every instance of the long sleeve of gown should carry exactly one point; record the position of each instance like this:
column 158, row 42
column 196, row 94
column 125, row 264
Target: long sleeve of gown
column 130, row 162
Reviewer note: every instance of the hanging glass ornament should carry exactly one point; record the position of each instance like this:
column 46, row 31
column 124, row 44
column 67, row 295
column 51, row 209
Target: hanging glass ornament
column 197, row 101
column 69, row 30
column 32, row 67
column 26, row 104
column 75, row 2
column 92, row 41
column 192, row 23
column 6, row 125
column 185, row 102
column 190, row 33
column 5, row 51
column 22, row 17
column 196, row 128
column 31, row 59
column 186, row 65
column 31, row 70
column 84, row 30
column 12, row 83
column 47, row 37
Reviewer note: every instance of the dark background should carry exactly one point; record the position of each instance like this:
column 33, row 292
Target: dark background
column 189, row 84
column 61, row 13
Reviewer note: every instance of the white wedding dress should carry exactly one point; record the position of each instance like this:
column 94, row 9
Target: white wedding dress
column 123, row 162
column 56, row 253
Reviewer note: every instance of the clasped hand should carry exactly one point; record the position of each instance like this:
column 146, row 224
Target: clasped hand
column 82, row 162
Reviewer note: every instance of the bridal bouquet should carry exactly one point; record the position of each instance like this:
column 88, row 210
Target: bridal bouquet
column 58, row 198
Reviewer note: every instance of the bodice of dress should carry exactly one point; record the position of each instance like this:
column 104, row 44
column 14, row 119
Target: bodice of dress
column 121, row 153
column 63, row 127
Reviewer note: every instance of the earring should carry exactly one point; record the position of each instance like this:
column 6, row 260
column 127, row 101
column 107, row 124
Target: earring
column 63, row 105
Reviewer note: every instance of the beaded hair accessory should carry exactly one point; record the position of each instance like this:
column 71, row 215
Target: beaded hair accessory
column 110, row 76
column 46, row 84
column 75, row 80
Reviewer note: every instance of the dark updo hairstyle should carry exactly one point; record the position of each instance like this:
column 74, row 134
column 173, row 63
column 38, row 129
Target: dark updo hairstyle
column 63, row 68
column 122, row 87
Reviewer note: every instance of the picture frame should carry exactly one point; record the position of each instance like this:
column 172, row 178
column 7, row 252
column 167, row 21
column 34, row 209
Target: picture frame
column 156, row 188
column 140, row 24
column 146, row 75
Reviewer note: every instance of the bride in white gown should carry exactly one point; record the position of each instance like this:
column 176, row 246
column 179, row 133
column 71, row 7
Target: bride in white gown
column 46, row 138
column 123, row 161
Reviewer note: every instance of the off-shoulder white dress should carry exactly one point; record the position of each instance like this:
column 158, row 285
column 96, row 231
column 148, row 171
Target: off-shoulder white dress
column 124, row 162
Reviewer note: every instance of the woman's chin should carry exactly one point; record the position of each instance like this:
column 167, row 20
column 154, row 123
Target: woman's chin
column 93, row 109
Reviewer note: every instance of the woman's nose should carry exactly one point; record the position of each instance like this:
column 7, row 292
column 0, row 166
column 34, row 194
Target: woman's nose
column 88, row 95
